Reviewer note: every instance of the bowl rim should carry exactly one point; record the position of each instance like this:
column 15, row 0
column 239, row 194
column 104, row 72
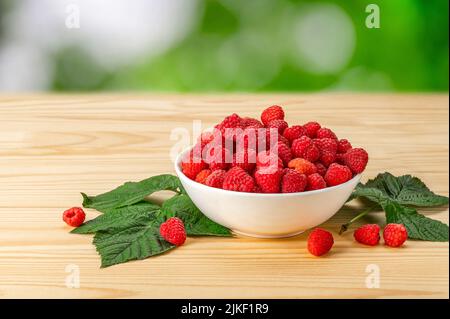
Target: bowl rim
column 219, row 190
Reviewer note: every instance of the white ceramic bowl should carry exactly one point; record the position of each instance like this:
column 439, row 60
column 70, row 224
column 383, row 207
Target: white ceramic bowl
column 267, row 215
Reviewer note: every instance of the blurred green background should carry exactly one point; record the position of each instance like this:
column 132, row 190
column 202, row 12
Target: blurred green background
column 226, row 45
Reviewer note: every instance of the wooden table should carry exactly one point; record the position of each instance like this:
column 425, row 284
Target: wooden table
column 54, row 146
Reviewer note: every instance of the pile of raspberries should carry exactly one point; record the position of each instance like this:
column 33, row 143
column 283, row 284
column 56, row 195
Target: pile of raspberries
column 248, row 155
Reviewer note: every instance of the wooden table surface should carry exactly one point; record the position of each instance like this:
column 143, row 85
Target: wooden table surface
column 54, row 146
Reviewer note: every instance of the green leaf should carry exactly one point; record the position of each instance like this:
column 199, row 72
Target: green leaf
column 131, row 192
column 139, row 239
column 195, row 222
column 406, row 190
column 118, row 218
column 418, row 226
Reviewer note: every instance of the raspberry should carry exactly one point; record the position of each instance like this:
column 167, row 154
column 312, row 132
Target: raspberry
column 303, row 166
column 280, row 125
column 192, row 165
column 202, row 176
column 326, row 144
column 172, row 230
column 218, row 157
column 395, row 235
column 268, row 160
column 315, row 181
column 294, row 132
column 337, row 174
column 274, row 112
column 215, row 179
column 326, row 133
column 236, row 179
column 229, row 125
column 321, row 169
column 269, row 180
column 343, row 146
column 293, row 182
column 245, row 159
column 74, row 216
column 320, row 242
column 248, row 121
column 283, row 151
column 340, row 159
column 304, row 147
column 311, row 129
column 356, row 159
column 327, row 158
column 368, row 234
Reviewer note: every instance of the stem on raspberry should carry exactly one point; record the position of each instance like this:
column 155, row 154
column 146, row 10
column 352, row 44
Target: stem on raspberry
column 344, row 227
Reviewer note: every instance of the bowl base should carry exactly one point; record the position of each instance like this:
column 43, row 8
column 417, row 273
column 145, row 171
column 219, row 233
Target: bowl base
column 267, row 236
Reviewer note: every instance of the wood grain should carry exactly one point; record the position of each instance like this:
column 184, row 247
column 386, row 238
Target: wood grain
column 54, row 146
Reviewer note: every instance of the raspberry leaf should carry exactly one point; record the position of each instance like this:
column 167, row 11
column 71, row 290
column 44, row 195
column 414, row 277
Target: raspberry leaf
column 138, row 239
column 132, row 192
column 195, row 223
column 418, row 225
column 118, row 218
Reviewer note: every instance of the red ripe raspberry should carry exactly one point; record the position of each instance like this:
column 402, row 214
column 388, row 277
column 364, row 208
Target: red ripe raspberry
column 236, row 179
column 303, row 166
column 293, row 182
column 304, row 147
column 368, row 234
column 395, row 235
column 172, row 230
column 326, row 133
column 215, row 179
column 340, row 159
column 320, row 242
column 321, row 169
column 268, row 159
column 230, row 127
column 315, row 181
column 311, row 129
column 337, row 174
column 248, row 121
column 274, row 112
column 356, row 159
column 294, row 132
column 74, row 216
column 201, row 177
column 245, row 159
column 283, row 151
column 192, row 165
column 326, row 145
column 269, row 179
column 344, row 146
column 218, row 158
column 327, row 158
column 280, row 125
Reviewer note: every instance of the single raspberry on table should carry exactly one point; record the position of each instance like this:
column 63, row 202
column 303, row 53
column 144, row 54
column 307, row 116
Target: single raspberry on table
column 368, row 234
column 269, row 180
column 303, row 166
column 245, row 159
column 192, row 165
column 293, row 182
column 202, row 176
column 172, row 230
column 305, row 148
column 274, row 112
column 344, row 146
column 294, row 132
column 356, row 159
column 321, row 169
column 283, row 151
column 320, row 242
column 326, row 133
column 395, row 235
column 315, row 182
column 311, row 129
column 74, row 216
column 337, row 174
column 280, row 125
column 249, row 121
column 215, row 179
column 237, row 179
